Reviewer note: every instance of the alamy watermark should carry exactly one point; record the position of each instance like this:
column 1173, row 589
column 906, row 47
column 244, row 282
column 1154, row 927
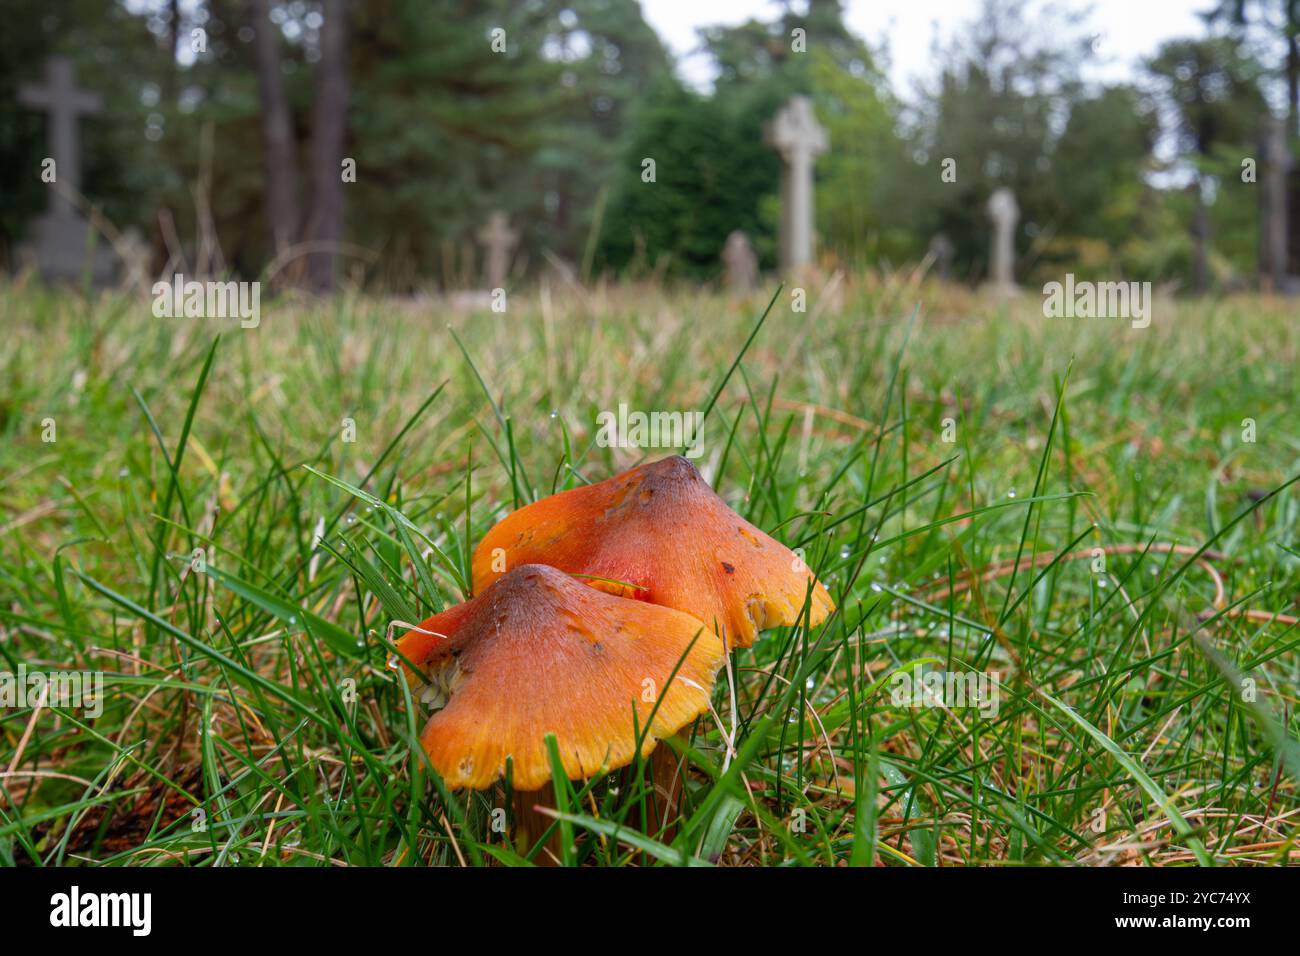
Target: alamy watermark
column 208, row 300
column 133, row 911
column 637, row 429
column 30, row 689
column 1098, row 300
column 947, row 689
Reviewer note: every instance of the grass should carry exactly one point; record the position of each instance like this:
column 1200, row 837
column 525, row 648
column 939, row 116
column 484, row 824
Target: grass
column 1068, row 504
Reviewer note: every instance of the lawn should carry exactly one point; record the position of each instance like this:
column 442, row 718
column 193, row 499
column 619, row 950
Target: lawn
column 1096, row 518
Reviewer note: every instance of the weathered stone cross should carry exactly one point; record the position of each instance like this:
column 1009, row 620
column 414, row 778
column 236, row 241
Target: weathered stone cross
column 1002, row 254
column 796, row 135
column 499, row 240
column 64, row 103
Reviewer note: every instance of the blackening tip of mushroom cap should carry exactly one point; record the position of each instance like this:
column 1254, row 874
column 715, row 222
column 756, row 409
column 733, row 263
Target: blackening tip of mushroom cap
column 674, row 466
column 532, row 571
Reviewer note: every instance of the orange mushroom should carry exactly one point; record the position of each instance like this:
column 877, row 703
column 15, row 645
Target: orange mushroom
column 539, row 653
column 661, row 529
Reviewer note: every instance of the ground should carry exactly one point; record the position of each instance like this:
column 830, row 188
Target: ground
column 1097, row 514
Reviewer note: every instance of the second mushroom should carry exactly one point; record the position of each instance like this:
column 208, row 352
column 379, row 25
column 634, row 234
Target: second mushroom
column 539, row 653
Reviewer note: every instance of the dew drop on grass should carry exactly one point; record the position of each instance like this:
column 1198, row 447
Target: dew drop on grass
column 876, row 586
column 1011, row 493
column 554, row 413
column 844, row 551
column 352, row 519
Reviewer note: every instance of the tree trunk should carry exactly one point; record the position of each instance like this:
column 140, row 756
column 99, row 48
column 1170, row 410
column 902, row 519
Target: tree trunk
column 1200, row 240
column 329, row 126
column 1273, row 209
column 278, row 160
column 1293, row 80
column 171, row 70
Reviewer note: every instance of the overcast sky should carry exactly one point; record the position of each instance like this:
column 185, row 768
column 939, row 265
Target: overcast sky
column 1129, row 29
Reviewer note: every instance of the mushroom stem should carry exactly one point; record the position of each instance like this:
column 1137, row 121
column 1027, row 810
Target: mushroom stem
column 668, row 771
column 530, row 824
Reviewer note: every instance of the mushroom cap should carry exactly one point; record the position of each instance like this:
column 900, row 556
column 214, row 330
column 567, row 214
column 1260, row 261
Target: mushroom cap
column 539, row 652
column 662, row 528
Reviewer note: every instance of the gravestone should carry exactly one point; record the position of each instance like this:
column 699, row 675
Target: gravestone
column 59, row 242
column 796, row 135
column 498, row 241
column 1002, row 253
column 742, row 265
column 136, row 257
column 941, row 253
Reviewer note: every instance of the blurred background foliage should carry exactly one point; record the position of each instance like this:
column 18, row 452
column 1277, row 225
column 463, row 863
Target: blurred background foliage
column 1140, row 179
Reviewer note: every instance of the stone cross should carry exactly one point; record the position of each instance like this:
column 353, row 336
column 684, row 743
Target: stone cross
column 499, row 240
column 1002, row 257
column 64, row 103
column 58, row 241
column 795, row 134
column 742, row 265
